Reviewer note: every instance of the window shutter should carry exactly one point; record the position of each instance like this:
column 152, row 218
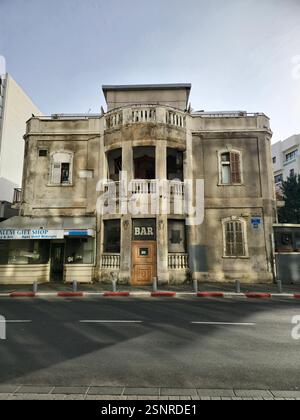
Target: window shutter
column 56, row 173
column 235, row 162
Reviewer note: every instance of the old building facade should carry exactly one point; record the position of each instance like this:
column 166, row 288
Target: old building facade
column 110, row 193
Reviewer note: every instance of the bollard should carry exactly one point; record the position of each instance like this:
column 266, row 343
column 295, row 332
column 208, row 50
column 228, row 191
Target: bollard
column 279, row 285
column 114, row 277
column 196, row 286
column 35, row 287
column 74, row 286
column 238, row 287
column 114, row 284
column 155, row 287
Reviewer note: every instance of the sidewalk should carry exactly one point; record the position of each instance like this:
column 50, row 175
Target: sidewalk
column 133, row 394
column 186, row 288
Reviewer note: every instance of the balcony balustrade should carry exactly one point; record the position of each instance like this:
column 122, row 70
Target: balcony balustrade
column 178, row 262
column 110, row 261
column 142, row 114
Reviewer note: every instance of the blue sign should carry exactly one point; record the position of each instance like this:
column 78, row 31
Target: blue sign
column 256, row 222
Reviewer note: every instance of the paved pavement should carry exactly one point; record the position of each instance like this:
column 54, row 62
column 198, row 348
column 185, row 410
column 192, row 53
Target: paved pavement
column 157, row 346
column 145, row 394
column 99, row 288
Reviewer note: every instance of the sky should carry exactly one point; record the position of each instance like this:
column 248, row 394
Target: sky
column 238, row 54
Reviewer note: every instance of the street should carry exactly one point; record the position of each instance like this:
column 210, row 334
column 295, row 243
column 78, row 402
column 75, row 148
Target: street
column 145, row 343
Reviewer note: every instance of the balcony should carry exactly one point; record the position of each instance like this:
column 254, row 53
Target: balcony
column 110, row 262
column 178, row 262
column 145, row 115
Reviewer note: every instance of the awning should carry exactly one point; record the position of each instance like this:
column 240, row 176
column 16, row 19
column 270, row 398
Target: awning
column 47, row 228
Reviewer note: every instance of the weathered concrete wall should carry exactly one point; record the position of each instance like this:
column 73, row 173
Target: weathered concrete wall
column 176, row 98
column 201, row 139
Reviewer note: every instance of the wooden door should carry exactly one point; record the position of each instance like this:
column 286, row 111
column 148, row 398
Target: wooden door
column 144, row 263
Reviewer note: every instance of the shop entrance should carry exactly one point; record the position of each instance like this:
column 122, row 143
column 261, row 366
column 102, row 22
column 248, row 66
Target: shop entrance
column 57, row 261
column 144, row 252
column 144, row 263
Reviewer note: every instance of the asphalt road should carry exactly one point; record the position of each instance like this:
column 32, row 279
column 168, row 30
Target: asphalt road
column 183, row 342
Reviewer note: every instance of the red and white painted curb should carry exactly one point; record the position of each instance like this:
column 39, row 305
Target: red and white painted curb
column 205, row 295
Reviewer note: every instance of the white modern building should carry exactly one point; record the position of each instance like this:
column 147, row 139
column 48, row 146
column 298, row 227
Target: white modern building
column 15, row 109
column 286, row 159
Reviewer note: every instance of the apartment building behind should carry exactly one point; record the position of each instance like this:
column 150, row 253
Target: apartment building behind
column 15, row 109
column 286, row 159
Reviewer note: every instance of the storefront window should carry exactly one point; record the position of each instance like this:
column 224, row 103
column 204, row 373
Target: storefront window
column 80, row 251
column 176, row 236
column 112, row 237
column 24, row 252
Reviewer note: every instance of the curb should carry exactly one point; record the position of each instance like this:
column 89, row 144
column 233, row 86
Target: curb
column 262, row 296
column 258, row 295
column 70, row 294
column 164, row 294
column 22, row 295
column 210, row 295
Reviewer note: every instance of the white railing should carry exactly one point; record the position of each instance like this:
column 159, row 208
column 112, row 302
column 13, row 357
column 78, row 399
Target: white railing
column 173, row 189
column 176, row 188
column 110, row 261
column 114, row 120
column 178, row 262
column 145, row 114
column 143, row 186
column 175, row 118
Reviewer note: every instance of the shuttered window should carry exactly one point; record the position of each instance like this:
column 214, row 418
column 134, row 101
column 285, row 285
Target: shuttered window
column 235, row 245
column 61, row 168
column 231, row 168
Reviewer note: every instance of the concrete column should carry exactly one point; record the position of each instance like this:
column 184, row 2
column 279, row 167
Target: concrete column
column 162, row 220
column 126, row 222
column 127, row 160
column 126, row 254
column 195, row 234
column 102, row 174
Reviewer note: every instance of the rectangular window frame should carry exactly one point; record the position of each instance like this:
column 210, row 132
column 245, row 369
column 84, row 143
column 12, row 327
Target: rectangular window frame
column 245, row 239
column 104, row 249
column 232, row 166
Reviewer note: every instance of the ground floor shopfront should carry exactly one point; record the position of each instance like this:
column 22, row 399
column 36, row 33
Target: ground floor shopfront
column 141, row 249
column 68, row 249
column 136, row 250
column 44, row 250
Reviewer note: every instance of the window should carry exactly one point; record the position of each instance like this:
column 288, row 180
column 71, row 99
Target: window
column 43, row 152
column 284, row 241
column 114, row 160
column 230, row 168
column 274, row 160
column 292, row 173
column 144, row 162
column 278, row 179
column 80, row 251
column 61, row 168
column 176, row 236
column 112, row 237
column 291, row 156
column 234, row 231
column 175, row 165
column 65, row 173
column 25, row 252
